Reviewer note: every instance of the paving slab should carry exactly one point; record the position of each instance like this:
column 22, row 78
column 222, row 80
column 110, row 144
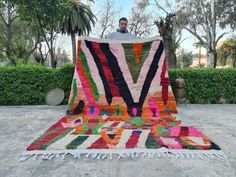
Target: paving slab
column 20, row 125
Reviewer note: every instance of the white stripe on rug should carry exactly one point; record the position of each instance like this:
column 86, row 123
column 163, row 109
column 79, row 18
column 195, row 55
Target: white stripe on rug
column 142, row 139
column 90, row 140
column 62, row 143
column 124, row 138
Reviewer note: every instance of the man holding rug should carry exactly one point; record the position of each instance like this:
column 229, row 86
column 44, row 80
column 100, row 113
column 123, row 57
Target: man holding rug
column 121, row 33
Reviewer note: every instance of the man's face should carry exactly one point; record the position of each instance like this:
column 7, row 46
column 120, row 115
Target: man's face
column 123, row 25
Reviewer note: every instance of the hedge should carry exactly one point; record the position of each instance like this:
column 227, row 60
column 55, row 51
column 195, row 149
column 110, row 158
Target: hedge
column 205, row 86
column 28, row 85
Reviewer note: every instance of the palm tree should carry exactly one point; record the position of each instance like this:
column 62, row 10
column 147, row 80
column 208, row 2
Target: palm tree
column 78, row 21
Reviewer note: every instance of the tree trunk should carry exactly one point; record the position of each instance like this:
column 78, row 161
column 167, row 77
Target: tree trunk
column 212, row 59
column 8, row 45
column 73, row 42
column 165, row 28
column 50, row 46
column 234, row 60
column 52, row 50
column 169, row 51
column 51, row 59
column 200, row 56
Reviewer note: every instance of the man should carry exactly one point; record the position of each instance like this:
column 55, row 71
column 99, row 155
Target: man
column 121, row 33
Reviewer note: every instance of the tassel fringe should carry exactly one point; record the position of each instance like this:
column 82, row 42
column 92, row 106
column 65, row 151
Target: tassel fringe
column 110, row 154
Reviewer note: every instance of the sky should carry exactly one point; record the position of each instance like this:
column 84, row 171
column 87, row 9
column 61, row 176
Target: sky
column 126, row 7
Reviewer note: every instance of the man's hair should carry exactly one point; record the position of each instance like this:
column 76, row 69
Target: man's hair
column 124, row 19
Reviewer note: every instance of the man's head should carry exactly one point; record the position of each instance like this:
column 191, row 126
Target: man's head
column 123, row 23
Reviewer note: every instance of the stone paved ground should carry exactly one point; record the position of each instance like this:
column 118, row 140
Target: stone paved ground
column 20, row 125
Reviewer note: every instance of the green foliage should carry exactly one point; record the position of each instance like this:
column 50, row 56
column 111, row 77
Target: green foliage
column 47, row 14
column 62, row 57
column 17, row 39
column 176, row 44
column 227, row 53
column 46, row 11
column 64, row 76
column 78, row 20
column 207, row 85
column 184, row 60
column 28, row 85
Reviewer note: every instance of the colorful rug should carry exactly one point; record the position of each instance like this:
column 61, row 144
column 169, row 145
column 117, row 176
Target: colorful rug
column 121, row 105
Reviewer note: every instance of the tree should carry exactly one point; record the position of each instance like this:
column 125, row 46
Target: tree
column 48, row 14
column 8, row 16
column 233, row 52
column 41, row 54
column 78, row 21
column 227, row 52
column 17, row 40
column 166, row 30
column 140, row 21
column 203, row 19
column 169, row 28
column 228, row 13
column 107, row 18
column 199, row 46
column 25, row 40
column 61, row 57
column 185, row 59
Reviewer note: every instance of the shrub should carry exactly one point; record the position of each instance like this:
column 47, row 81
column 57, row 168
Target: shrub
column 26, row 85
column 207, row 85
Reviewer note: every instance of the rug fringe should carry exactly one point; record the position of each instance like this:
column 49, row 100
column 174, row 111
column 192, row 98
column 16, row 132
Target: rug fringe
column 101, row 154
